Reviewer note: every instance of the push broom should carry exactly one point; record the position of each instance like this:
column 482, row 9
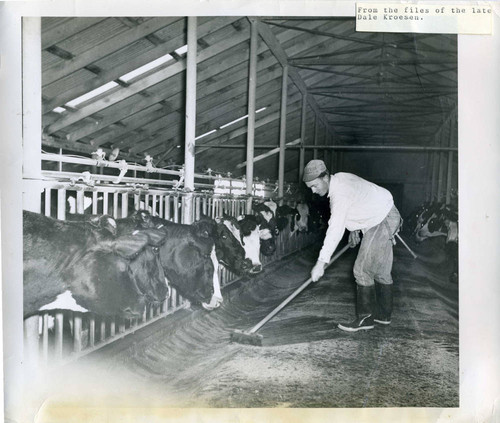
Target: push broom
column 251, row 336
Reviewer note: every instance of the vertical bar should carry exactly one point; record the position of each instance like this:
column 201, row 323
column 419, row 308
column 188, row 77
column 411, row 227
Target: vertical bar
column 137, row 201
column 115, row 205
column 145, row 206
column 281, row 168
column 316, row 134
column 197, row 208
column 450, row 162
column 105, row 202
column 124, row 212
column 91, row 331
column 204, row 208
column 190, row 118
column 94, row 202
column 58, row 345
column 176, row 208
column 121, row 326
column 77, row 332
column 153, row 206
column 103, row 330
column 303, row 115
column 45, row 338
column 32, row 99
column 80, row 202
column 167, row 207
column 48, row 201
column 61, row 204
column 161, row 204
column 252, row 86
column 112, row 328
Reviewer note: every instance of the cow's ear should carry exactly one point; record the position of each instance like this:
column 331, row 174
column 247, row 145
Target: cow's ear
column 107, row 223
column 130, row 245
column 218, row 220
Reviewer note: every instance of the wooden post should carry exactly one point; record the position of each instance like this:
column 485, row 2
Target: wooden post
column 281, row 168
column 32, row 97
column 303, row 115
column 252, row 85
column 316, row 131
column 190, row 119
column 441, row 169
column 58, row 325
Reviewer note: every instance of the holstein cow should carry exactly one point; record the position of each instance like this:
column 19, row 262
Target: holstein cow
column 442, row 220
column 190, row 258
column 267, row 211
column 303, row 218
column 254, row 235
column 147, row 268
column 74, row 266
column 287, row 217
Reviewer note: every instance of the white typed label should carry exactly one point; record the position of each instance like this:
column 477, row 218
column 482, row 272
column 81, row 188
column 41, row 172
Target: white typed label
column 426, row 18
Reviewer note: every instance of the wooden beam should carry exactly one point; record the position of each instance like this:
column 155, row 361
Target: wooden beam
column 260, row 157
column 372, row 62
column 62, row 69
column 68, row 28
column 252, row 85
column 273, row 44
column 234, row 58
column 177, row 37
column 142, row 84
column 281, row 164
column 188, row 215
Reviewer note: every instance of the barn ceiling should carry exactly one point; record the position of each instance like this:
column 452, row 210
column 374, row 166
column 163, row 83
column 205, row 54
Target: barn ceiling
column 120, row 82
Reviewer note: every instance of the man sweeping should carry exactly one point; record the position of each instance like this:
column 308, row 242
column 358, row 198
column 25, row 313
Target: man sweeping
column 359, row 205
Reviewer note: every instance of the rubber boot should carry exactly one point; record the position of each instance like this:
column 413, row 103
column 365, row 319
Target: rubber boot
column 384, row 300
column 364, row 308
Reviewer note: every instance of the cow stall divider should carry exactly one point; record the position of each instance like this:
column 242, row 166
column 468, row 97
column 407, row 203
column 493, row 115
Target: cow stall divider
column 55, row 337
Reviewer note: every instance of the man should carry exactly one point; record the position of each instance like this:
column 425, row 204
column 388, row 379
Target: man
column 359, row 205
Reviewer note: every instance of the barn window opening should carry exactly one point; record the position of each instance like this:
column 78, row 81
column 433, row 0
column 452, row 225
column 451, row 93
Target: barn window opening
column 145, row 68
column 240, row 118
column 91, row 94
column 238, row 187
column 59, row 110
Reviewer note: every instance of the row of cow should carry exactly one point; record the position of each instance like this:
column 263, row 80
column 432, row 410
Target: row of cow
column 117, row 267
column 435, row 219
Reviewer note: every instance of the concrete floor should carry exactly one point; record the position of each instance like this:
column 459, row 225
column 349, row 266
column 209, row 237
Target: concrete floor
column 305, row 361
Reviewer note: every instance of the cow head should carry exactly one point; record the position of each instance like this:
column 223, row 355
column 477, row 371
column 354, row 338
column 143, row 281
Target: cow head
column 103, row 281
column 303, row 217
column 147, row 269
column 435, row 221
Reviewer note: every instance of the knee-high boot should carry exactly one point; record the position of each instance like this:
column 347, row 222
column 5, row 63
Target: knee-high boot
column 365, row 296
column 384, row 301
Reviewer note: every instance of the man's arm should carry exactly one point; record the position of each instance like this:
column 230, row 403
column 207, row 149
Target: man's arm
column 334, row 233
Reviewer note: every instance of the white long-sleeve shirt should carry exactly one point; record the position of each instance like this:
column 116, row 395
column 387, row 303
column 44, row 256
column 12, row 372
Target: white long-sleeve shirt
column 354, row 204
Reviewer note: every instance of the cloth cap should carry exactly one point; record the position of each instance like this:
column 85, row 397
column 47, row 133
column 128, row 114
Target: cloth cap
column 313, row 169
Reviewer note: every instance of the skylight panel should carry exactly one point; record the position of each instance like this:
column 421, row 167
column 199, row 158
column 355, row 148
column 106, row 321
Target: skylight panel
column 205, row 134
column 147, row 67
column 91, row 94
column 240, row 118
column 182, row 50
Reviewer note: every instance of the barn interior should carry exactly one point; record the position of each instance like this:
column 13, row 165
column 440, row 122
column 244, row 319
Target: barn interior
column 251, row 100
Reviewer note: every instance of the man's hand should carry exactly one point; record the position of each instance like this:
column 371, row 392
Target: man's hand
column 354, row 238
column 318, row 270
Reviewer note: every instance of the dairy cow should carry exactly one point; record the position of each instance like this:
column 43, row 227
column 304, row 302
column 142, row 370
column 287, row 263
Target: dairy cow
column 82, row 267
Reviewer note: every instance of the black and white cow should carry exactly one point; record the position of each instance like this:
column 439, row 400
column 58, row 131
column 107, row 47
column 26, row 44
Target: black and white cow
column 78, row 266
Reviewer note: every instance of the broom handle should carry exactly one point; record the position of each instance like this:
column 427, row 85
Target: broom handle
column 293, row 295
column 408, row 248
